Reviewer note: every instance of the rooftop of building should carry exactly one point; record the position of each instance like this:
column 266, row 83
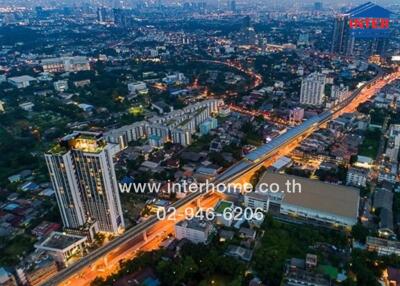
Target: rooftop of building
column 4, row 276
column 369, row 9
column 22, row 78
column 304, row 277
column 222, row 205
column 89, row 142
column 195, row 223
column 238, row 251
column 45, row 227
column 358, row 170
column 137, row 82
column 60, row 241
column 38, row 259
column 145, row 277
column 383, row 199
column 258, row 196
column 316, row 195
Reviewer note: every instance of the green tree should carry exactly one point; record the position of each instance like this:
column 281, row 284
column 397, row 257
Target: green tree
column 359, row 232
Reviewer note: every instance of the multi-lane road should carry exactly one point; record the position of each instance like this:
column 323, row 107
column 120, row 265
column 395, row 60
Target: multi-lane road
column 105, row 260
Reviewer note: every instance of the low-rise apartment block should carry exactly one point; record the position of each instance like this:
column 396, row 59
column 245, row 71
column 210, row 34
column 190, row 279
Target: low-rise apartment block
column 195, row 230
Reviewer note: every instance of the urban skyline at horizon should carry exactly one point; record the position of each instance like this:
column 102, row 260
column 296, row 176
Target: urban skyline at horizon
column 219, row 3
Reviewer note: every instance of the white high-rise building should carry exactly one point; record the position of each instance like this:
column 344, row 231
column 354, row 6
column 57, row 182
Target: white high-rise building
column 312, row 89
column 82, row 173
column 393, row 145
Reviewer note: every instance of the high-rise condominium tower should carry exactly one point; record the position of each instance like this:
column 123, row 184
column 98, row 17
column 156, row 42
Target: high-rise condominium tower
column 313, row 89
column 343, row 40
column 83, row 176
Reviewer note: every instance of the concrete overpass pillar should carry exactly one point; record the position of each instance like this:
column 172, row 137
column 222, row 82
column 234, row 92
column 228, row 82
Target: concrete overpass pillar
column 105, row 261
column 198, row 203
column 145, row 236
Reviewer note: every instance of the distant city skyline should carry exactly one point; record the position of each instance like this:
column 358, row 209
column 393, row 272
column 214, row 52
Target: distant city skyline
column 218, row 3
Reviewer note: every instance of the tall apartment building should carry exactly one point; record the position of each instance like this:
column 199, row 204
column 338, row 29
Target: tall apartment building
column 82, row 173
column 379, row 47
column 344, row 36
column 343, row 40
column 101, row 14
column 232, row 5
column 313, row 89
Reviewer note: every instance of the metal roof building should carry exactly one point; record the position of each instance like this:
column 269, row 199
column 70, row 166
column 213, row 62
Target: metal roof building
column 315, row 200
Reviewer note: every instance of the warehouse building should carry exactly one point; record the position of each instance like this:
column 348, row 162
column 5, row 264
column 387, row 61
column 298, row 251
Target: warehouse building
column 313, row 201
